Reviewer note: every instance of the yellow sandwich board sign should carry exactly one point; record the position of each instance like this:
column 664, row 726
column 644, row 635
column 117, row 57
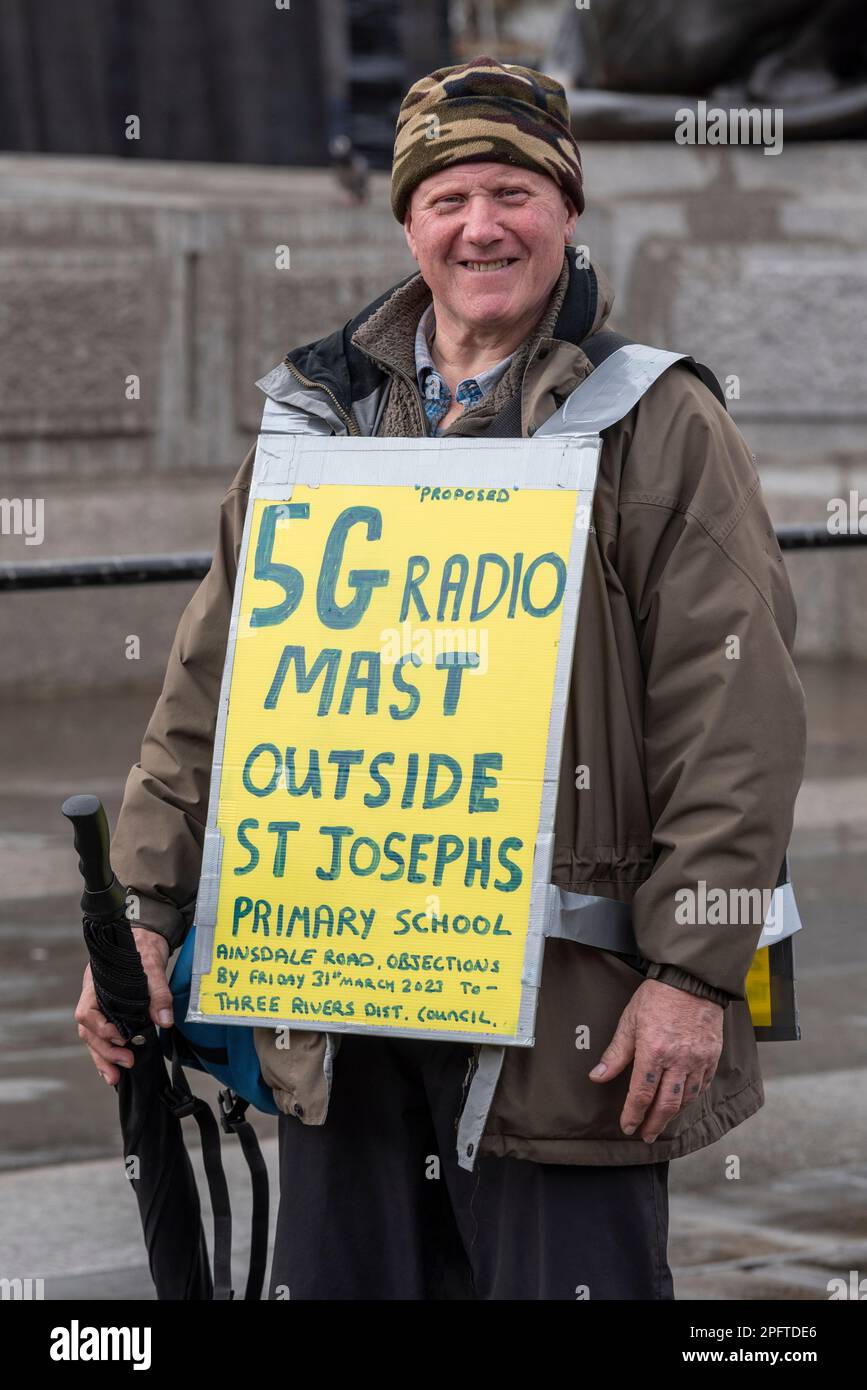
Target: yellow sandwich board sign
column 379, row 841
column 387, row 754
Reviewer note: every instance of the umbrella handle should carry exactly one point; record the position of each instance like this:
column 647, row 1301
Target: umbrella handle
column 103, row 897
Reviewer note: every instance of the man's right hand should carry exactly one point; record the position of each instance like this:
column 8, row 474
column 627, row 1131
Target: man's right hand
column 101, row 1037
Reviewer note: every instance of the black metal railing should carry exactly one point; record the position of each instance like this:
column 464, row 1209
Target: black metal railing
column 173, row 569
column 112, row 570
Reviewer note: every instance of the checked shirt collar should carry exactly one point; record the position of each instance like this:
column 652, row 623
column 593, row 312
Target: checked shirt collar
column 436, row 396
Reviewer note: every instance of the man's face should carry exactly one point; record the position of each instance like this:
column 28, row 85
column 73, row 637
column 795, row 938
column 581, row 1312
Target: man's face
column 489, row 239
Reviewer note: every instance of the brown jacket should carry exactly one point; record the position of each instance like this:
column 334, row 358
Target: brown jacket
column 695, row 757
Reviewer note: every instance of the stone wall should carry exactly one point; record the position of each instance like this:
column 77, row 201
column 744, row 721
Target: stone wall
column 167, row 272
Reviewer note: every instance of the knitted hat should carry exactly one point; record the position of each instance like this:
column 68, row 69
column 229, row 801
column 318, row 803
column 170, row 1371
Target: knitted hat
column 484, row 110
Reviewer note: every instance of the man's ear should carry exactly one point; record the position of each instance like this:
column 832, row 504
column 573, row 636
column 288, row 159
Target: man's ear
column 571, row 218
column 407, row 231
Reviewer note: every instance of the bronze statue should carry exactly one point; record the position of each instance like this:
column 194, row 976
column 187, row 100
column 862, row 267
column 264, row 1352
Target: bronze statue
column 630, row 65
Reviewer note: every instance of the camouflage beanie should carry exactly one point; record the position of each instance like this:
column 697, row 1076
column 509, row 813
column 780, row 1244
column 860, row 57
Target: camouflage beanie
column 484, row 110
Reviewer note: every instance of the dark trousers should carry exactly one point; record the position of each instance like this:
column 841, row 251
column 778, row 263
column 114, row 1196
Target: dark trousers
column 373, row 1204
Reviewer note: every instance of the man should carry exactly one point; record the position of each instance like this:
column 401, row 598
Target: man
column 693, row 760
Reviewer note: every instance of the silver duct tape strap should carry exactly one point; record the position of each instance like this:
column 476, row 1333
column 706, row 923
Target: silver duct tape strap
column 478, row 1104
column 610, row 391
column 594, row 921
column 607, row 922
column 209, row 884
column 206, row 908
column 271, row 467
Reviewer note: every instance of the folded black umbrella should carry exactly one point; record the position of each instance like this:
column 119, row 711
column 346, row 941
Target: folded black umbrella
column 153, row 1103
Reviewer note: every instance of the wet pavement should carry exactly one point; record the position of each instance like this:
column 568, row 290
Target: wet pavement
column 794, row 1218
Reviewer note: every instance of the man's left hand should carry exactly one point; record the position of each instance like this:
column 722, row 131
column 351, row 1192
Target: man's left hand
column 675, row 1040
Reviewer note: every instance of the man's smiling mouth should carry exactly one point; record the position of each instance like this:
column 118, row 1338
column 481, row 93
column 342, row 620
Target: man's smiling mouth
column 485, row 266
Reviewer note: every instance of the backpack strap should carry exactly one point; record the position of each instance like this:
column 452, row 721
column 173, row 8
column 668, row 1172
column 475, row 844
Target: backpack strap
column 233, row 1112
column 601, row 345
column 706, row 375
column 182, row 1101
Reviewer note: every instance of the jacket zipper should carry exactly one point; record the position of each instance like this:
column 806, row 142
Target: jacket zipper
column 408, row 381
column 318, row 386
column 413, row 385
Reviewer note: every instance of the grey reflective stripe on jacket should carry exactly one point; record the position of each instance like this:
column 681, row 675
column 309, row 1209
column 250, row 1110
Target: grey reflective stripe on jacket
column 609, row 393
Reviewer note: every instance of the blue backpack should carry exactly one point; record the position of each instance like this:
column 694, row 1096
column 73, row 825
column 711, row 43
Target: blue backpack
column 224, row 1052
